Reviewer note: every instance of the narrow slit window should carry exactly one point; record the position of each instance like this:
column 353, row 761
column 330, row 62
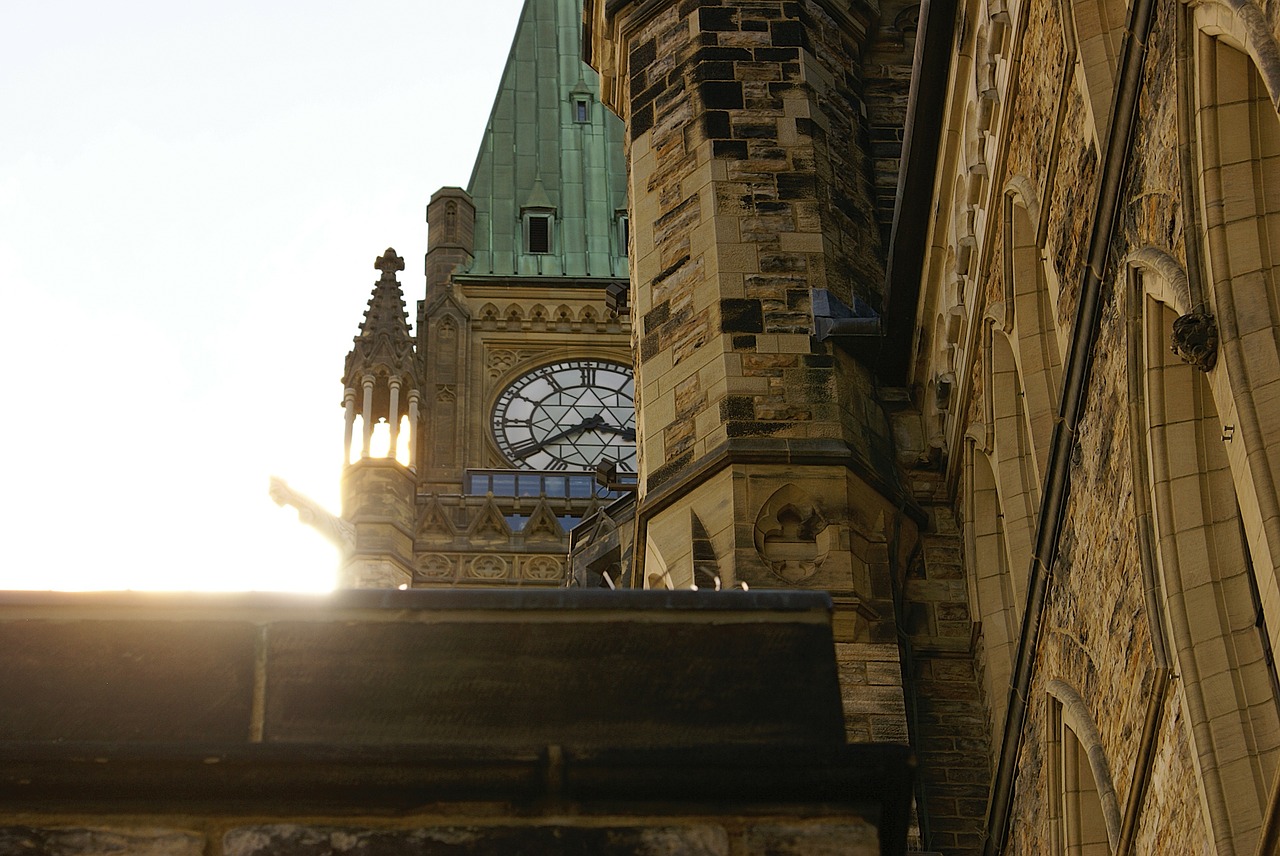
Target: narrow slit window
column 622, row 230
column 539, row 234
column 581, row 110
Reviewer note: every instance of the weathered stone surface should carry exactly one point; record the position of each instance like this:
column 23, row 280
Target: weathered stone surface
column 126, row 680
column 817, row 839
column 73, row 841
column 439, row 682
column 296, row 840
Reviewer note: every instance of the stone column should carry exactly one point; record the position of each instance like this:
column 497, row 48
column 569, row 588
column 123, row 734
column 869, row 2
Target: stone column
column 751, row 201
column 413, row 428
column 393, row 414
column 367, row 415
column 349, row 419
column 451, row 219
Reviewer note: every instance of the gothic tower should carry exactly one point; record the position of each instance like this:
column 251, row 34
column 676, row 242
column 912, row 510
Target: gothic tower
column 519, row 379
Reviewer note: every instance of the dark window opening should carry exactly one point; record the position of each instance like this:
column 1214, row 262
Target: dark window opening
column 539, row 234
column 581, row 110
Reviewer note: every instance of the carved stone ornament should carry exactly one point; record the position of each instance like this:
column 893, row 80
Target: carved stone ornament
column 542, row 568
column 791, row 535
column 1195, row 339
column 433, row 566
column 488, row 568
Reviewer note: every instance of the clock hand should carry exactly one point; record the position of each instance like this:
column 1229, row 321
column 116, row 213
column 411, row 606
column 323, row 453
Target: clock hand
column 627, row 433
column 592, row 421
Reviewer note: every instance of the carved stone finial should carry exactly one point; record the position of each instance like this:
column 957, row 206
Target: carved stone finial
column 1195, row 339
column 389, row 263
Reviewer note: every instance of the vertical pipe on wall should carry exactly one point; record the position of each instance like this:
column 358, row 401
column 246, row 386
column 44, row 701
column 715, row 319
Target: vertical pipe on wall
column 1071, row 409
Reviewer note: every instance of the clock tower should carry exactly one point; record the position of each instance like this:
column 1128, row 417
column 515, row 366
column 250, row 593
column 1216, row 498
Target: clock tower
column 521, row 382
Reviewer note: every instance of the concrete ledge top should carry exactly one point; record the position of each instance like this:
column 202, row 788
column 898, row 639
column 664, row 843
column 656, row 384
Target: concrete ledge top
column 156, row 605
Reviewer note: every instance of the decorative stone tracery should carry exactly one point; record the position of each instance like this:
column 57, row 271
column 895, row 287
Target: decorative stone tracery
column 791, row 535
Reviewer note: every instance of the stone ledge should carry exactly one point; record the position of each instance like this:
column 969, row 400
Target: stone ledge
column 274, row 779
column 429, row 706
column 395, row 668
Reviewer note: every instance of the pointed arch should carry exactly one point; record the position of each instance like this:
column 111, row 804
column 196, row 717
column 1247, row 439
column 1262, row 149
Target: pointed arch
column 1014, row 456
column 1240, row 150
column 997, row 587
column 1099, row 30
column 1029, row 317
column 1242, row 25
column 1239, row 133
column 1203, row 560
column 1084, row 805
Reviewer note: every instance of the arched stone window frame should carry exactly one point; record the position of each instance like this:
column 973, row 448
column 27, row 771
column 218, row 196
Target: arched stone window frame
column 997, row 589
column 1099, row 35
column 1010, row 446
column 1208, row 606
column 1026, row 315
column 1242, row 244
column 1081, row 795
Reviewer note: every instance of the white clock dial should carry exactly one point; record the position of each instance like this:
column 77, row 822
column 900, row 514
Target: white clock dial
column 569, row 415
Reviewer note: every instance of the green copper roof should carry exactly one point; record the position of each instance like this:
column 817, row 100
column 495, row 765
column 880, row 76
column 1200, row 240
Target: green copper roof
column 537, row 158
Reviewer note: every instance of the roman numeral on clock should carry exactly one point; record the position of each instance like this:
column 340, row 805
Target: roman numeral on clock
column 525, row 449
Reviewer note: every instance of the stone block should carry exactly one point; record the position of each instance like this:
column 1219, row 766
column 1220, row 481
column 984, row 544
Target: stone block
column 301, row 840
column 77, row 841
column 816, row 839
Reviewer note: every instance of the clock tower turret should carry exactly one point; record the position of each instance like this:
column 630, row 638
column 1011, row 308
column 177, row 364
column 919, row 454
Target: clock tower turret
column 380, row 389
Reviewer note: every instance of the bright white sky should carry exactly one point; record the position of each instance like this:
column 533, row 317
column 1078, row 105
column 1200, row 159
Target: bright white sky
column 192, row 195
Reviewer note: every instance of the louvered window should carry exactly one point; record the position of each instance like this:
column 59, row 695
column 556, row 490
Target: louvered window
column 539, row 233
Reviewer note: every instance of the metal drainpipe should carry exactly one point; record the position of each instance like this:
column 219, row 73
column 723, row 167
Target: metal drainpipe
column 1057, row 484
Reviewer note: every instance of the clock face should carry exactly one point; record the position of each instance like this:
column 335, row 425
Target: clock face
column 569, row 416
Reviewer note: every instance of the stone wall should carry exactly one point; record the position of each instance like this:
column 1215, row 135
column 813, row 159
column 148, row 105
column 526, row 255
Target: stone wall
column 751, row 190
column 947, row 718
column 476, row 835
column 1096, row 635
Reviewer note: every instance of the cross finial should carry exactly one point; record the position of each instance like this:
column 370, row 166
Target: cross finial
column 389, row 263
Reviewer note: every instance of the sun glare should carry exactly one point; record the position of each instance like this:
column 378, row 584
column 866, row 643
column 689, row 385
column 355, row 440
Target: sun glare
column 380, row 441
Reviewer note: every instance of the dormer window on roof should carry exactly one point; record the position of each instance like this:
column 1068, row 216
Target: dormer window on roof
column 581, row 108
column 537, row 232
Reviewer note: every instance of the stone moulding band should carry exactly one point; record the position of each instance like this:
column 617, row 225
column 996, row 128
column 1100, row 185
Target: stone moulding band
column 822, row 453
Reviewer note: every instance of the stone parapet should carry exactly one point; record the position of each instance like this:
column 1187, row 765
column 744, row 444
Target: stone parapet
column 408, row 721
